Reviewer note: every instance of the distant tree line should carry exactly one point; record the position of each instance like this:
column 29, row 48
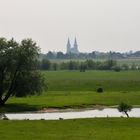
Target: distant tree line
column 92, row 55
column 89, row 64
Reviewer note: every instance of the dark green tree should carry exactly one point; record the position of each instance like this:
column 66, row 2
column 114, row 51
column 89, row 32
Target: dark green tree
column 18, row 64
column 54, row 66
column 90, row 64
column 46, row 64
column 110, row 63
column 123, row 107
column 73, row 65
column 50, row 55
column 60, row 55
column 83, row 67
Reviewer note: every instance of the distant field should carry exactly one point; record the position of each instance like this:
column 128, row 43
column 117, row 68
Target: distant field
column 82, row 129
column 91, row 80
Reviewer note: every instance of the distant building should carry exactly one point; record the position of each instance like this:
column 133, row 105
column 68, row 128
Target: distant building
column 74, row 49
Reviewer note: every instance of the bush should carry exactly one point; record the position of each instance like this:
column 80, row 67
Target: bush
column 116, row 68
column 99, row 90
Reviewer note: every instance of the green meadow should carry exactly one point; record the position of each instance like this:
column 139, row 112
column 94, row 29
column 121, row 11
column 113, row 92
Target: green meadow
column 80, row 129
column 74, row 89
column 91, row 80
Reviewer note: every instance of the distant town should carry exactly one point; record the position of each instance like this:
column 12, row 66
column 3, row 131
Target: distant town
column 72, row 52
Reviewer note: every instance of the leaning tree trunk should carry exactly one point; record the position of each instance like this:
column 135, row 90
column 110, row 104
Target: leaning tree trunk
column 11, row 88
column 126, row 114
column 2, row 101
column 7, row 95
column 5, row 99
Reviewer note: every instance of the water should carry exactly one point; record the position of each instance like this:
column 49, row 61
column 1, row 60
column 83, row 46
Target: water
column 73, row 115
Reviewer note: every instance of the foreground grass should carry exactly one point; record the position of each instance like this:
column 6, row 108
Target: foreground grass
column 81, row 129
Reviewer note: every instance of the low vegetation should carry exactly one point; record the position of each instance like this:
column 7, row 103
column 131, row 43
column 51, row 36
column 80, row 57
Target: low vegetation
column 81, row 129
column 110, row 81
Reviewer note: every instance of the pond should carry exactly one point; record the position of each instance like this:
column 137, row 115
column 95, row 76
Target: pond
column 108, row 112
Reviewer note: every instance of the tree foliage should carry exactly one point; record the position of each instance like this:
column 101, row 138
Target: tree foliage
column 18, row 64
column 45, row 64
column 123, row 107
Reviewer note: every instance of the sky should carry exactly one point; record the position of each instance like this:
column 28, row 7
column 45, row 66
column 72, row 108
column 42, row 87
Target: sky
column 101, row 25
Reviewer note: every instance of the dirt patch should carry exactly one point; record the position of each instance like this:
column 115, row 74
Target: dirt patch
column 99, row 107
column 51, row 110
column 48, row 110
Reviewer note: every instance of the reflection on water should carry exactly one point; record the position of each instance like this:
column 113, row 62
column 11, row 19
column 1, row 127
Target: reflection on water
column 73, row 115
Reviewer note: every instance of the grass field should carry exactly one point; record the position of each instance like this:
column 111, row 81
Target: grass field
column 81, row 129
column 64, row 99
column 74, row 89
column 91, row 80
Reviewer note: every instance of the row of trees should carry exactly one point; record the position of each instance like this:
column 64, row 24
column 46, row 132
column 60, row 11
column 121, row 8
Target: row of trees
column 92, row 55
column 46, row 64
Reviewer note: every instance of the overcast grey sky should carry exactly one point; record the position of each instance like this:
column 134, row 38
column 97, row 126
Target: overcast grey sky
column 101, row 25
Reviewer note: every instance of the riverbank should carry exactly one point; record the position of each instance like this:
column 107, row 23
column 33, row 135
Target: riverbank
column 73, row 99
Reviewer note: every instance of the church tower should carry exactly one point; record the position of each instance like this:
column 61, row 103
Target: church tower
column 68, row 46
column 75, row 44
column 75, row 47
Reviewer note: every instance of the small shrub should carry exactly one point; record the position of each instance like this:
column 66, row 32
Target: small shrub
column 116, row 68
column 100, row 90
column 123, row 107
column 5, row 118
column 61, row 119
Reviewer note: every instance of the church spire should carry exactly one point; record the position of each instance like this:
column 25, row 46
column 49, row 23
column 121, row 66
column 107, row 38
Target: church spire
column 74, row 49
column 68, row 46
column 75, row 42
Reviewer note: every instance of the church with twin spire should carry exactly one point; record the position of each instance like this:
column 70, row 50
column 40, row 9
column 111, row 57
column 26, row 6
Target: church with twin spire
column 72, row 49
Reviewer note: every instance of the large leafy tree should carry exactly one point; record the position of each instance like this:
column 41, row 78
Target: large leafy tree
column 18, row 74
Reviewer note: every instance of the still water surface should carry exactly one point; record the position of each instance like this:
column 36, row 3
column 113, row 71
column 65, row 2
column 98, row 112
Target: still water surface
column 109, row 112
